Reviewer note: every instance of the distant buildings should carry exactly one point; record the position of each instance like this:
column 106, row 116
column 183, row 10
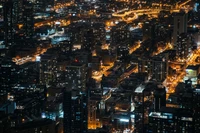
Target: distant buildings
column 77, row 67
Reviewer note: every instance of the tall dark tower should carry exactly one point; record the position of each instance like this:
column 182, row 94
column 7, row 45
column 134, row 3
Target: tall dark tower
column 8, row 76
column 17, row 11
column 28, row 24
column 159, row 97
column 75, row 99
column 88, row 40
column 9, row 29
column 180, row 26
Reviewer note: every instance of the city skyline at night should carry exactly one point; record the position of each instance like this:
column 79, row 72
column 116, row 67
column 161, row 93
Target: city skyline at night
column 99, row 66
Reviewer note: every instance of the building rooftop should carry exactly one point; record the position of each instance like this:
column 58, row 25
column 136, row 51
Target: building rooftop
column 34, row 124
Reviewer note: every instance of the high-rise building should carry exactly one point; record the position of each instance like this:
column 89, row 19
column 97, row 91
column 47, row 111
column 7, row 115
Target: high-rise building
column 180, row 26
column 157, row 67
column 36, row 126
column 94, row 120
column 1, row 11
column 75, row 99
column 160, row 67
column 12, row 16
column 183, row 45
column 171, row 120
column 7, row 76
column 88, row 40
column 9, row 29
column 39, row 5
column 196, row 106
column 75, row 117
column 145, row 65
column 48, row 69
column 197, row 39
column 120, row 34
column 76, row 76
column 159, row 97
column 17, row 11
column 28, row 24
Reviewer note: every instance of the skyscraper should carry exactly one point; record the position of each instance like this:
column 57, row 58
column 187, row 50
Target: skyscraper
column 180, row 26
column 75, row 117
column 76, row 76
column 183, row 44
column 75, row 99
column 28, row 24
column 8, row 76
column 8, row 24
column 159, row 97
column 17, row 11
column 171, row 120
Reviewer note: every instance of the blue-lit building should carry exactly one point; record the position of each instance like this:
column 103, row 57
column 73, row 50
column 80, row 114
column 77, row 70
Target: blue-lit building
column 75, row 112
column 75, row 99
column 171, row 120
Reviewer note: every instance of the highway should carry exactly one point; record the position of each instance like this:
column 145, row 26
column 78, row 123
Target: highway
column 29, row 58
column 135, row 47
column 172, row 81
column 126, row 74
column 149, row 11
column 160, row 49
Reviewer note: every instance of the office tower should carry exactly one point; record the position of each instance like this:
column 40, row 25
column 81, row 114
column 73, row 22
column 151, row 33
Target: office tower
column 171, row 120
column 145, row 66
column 94, row 120
column 1, row 11
column 48, row 69
column 160, row 67
column 75, row 117
column 8, row 76
column 9, row 29
column 197, row 39
column 180, row 26
column 119, row 34
column 149, row 30
column 17, row 11
column 157, row 67
column 75, row 111
column 183, row 44
column 99, row 33
column 122, row 53
column 76, row 76
column 88, row 40
column 39, row 5
column 75, row 99
column 36, row 126
column 159, row 97
column 196, row 108
column 28, row 24
column 143, row 100
column 198, row 8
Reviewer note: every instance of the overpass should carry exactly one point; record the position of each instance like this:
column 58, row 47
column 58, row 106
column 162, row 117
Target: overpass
column 142, row 12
